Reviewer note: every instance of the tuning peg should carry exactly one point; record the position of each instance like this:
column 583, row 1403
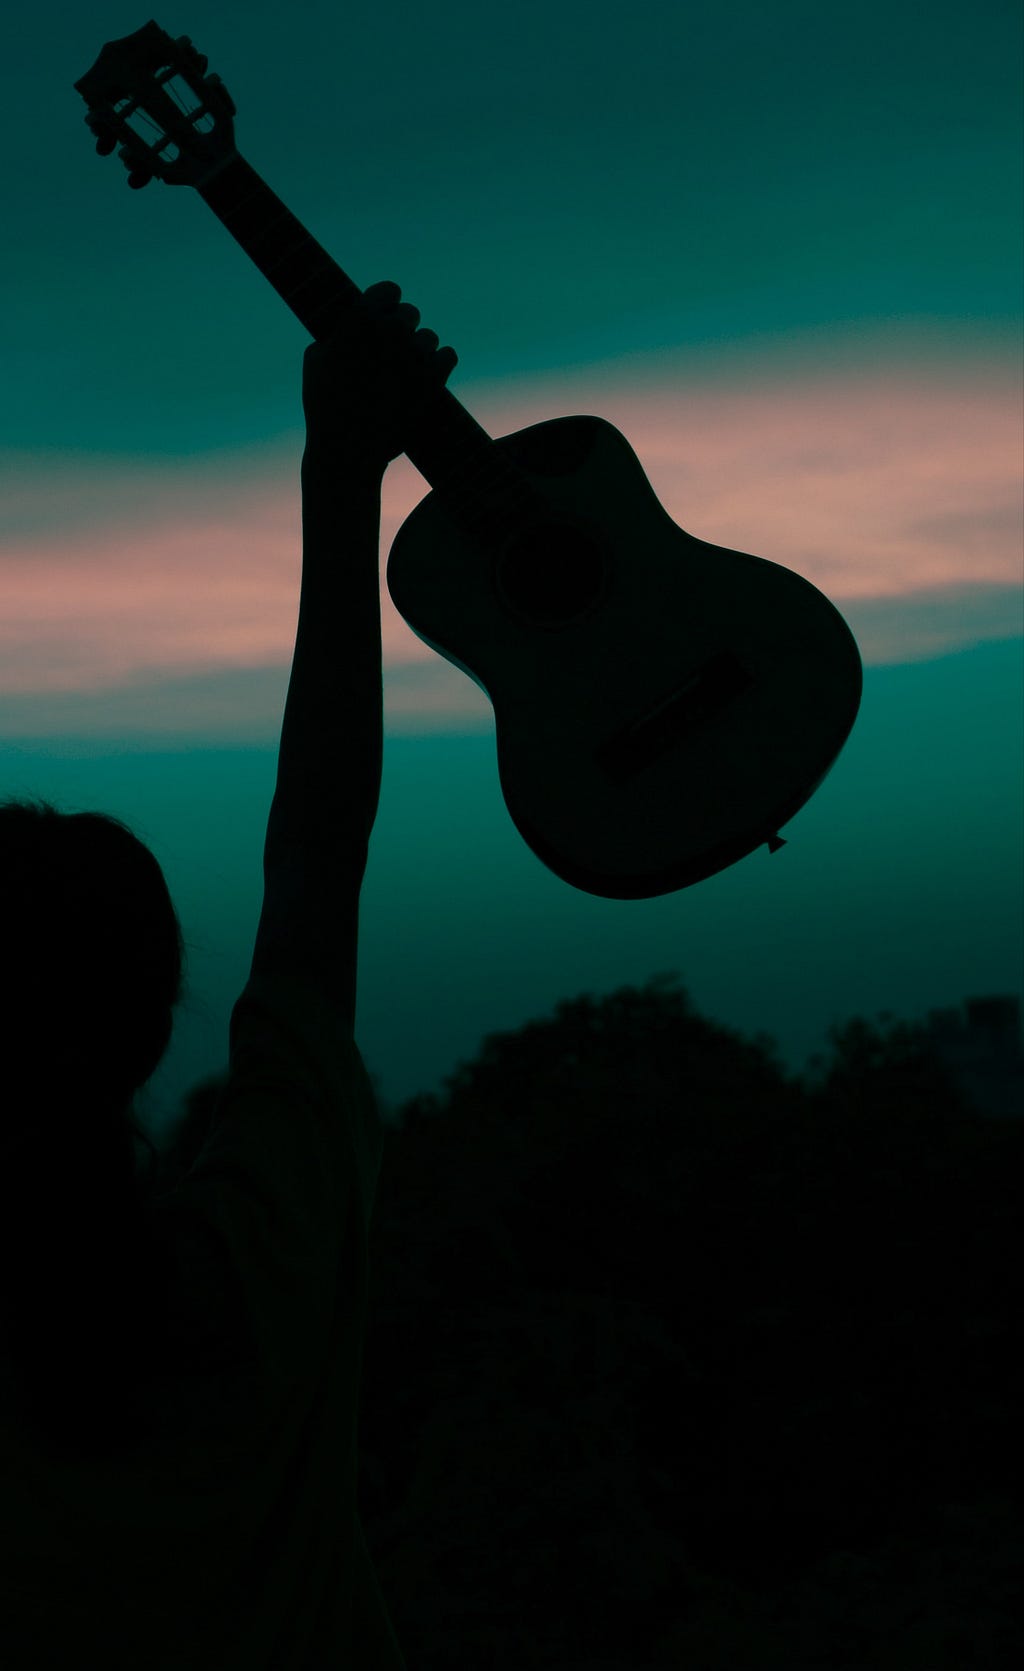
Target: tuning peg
column 104, row 130
column 216, row 85
column 138, row 178
column 188, row 50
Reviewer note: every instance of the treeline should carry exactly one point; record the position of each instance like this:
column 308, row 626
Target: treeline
column 675, row 1359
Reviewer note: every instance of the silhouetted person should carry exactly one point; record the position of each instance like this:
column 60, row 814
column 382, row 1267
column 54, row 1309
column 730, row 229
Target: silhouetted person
column 180, row 1362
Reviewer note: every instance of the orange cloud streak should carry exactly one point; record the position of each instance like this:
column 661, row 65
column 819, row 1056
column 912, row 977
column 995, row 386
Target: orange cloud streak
column 875, row 488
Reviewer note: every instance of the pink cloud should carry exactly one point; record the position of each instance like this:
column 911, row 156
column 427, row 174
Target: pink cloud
column 870, row 486
column 892, row 492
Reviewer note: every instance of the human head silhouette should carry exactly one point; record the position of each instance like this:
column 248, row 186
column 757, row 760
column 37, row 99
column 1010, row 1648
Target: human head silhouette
column 91, row 955
column 91, row 970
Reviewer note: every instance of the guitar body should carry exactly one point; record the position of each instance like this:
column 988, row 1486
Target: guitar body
column 662, row 705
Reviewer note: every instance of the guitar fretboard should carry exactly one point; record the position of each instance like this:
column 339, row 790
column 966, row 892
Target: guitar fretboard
column 456, row 455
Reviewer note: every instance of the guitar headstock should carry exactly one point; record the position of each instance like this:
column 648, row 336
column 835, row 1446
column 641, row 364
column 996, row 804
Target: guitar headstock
column 151, row 94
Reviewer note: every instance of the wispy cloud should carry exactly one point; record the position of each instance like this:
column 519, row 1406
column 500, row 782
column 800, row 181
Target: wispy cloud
column 165, row 592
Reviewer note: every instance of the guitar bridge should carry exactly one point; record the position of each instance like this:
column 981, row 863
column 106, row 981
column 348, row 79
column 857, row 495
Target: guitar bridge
column 665, row 725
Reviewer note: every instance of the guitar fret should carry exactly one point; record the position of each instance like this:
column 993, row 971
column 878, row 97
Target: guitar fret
column 232, row 214
column 292, row 269
column 317, row 275
column 295, row 239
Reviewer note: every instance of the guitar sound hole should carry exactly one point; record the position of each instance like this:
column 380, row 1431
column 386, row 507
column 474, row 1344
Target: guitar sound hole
column 552, row 575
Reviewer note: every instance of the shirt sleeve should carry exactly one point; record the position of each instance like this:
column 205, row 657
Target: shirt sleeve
column 284, row 1184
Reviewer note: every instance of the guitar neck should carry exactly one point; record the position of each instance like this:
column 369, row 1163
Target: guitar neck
column 452, row 450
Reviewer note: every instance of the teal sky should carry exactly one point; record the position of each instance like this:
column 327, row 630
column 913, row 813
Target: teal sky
column 553, row 183
column 779, row 246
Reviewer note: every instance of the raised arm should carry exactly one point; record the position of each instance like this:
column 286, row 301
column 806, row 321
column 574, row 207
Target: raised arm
column 363, row 390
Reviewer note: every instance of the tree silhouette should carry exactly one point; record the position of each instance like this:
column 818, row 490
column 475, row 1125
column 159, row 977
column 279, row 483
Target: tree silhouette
column 694, row 1338
column 676, row 1359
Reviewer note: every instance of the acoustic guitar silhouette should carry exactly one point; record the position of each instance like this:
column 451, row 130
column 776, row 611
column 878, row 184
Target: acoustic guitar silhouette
column 662, row 705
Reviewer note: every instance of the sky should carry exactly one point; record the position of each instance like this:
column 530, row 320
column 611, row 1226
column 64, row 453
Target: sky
column 779, row 247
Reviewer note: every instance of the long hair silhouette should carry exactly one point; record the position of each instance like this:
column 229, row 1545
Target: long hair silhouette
column 92, row 967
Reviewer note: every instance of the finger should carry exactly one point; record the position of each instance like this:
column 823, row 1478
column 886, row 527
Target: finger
column 426, row 340
column 408, row 315
column 384, row 294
